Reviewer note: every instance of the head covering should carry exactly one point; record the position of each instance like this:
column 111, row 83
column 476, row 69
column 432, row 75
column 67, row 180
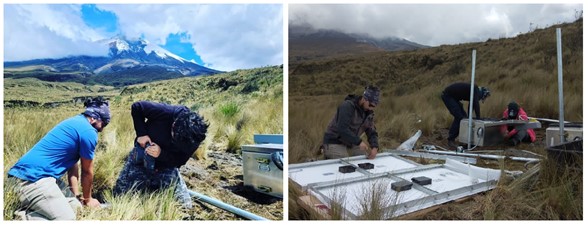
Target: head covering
column 372, row 94
column 98, row 108
column 189, row 130
column 484, row 93
column 513, row 110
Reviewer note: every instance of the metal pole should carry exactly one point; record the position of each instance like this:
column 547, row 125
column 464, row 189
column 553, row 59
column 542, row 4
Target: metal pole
column 471, row 98
column 560, row 87
column 225, row 206
column 497, row 157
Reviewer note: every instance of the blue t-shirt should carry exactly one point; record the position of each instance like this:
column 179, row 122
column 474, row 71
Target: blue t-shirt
column 58, row 151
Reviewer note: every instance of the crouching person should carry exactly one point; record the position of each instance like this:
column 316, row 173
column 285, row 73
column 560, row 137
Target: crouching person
column 37, row 173
column 512, row 135
column 167, row 136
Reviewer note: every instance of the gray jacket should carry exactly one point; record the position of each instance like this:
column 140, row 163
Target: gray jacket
column 349, row 123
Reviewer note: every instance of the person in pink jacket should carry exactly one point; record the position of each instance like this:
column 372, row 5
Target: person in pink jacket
column 510, row 133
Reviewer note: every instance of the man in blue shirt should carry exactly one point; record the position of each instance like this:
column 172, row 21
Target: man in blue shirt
column 37, row 173
column 167, row 136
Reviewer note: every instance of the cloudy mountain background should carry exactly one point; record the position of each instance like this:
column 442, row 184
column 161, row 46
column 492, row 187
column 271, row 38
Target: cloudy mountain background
column 433, row 24
column 223, row 37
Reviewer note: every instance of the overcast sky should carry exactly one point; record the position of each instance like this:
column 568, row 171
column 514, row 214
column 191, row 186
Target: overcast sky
column 431, row 24
column 223, row 37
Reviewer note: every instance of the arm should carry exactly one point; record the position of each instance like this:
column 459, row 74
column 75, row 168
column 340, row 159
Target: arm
column 477, row 108
column 372, row 135
column 142, row 110
column 522, row 115
column 344, row 117
column 87, row 180
column 73, row 179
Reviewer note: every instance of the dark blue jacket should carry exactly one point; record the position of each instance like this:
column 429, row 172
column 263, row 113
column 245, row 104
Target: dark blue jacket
column 155, row 120
column 461, row 91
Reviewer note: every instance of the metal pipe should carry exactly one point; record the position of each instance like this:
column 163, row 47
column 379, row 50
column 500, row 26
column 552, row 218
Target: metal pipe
column 225, row 206
column 471, row 98
column 497, row 157
column 560, row 87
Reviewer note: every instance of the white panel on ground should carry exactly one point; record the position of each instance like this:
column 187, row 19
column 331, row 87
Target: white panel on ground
column 385, row 164
column 442, row 179
column 357, row 192
column 320, row 173
column 353, row 196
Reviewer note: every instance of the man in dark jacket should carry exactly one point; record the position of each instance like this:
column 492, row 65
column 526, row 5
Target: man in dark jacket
column 167, row 135
column 452, row 95
column 354, row 117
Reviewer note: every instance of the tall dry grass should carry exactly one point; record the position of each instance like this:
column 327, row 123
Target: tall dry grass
column 260, row 111
column 523, row 69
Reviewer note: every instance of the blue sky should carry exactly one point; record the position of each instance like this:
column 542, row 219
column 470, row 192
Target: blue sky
column 220, row 36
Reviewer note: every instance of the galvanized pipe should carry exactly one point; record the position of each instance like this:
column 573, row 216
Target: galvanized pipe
column 225, row 206
column 560, row 87
column 496, row 157
column 471, row 99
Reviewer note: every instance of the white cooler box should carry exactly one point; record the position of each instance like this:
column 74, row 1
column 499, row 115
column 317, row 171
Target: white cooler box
column 486, row 132
column 572, row 132
column 263, row 168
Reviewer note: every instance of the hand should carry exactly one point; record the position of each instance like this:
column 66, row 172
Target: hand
column 143, row 140
column 363, row 147
column 91, row 202
column 505, row 134
column 153, row 150
column 373, row 153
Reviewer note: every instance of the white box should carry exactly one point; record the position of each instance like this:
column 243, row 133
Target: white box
column 484, row 133
column 261, row 170
column 487, row 132
column 571, row 133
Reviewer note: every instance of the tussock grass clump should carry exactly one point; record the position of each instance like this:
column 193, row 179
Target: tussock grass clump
column 257, row 111
column 229, row 109
column 523, row 69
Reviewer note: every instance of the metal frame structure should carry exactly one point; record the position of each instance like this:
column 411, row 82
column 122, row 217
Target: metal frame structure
column 450, row 181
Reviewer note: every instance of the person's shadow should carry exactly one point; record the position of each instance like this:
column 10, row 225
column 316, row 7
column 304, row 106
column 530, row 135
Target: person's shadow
column 250, row 194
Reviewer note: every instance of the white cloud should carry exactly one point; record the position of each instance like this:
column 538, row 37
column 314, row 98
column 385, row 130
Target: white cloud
column 434, row 24
column 227, row 37
column 47, row 31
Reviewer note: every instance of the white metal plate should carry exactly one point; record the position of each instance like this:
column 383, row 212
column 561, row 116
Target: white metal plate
column 385, row 164
column 320, row 173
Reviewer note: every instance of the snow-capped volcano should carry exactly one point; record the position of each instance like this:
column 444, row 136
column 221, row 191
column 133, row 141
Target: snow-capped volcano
column 133, row 58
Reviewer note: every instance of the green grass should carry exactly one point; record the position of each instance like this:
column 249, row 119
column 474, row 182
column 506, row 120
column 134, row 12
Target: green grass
column 25, row 126
column 229, row 109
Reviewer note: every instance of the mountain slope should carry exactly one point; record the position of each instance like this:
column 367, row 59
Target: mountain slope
column 128, row 62
column 306, row 44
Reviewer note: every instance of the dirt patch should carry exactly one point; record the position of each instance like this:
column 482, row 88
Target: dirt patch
column 220, row 176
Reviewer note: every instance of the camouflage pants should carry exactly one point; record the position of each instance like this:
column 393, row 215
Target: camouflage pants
column 136, row 177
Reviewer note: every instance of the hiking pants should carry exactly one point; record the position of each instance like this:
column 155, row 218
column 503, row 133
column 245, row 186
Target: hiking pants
column 337, row 151
column 456, row 109
column 136, row 177
column 46, row 199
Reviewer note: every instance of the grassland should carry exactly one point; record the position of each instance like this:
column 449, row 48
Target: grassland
column 523, row 68
column 256, row 93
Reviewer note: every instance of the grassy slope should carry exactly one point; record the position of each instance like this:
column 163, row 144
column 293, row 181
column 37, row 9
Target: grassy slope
column 523, row 68
column 260, row 111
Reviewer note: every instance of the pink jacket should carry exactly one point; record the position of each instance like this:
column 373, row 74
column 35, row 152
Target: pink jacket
column 522, row 115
